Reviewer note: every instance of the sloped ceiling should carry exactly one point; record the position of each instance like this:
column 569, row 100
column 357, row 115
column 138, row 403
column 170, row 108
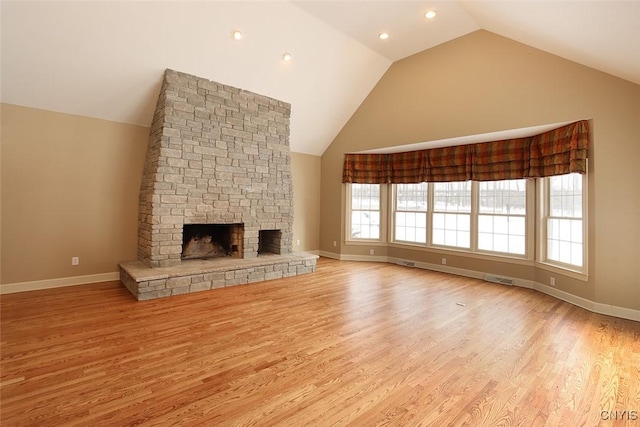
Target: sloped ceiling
column 106, row 59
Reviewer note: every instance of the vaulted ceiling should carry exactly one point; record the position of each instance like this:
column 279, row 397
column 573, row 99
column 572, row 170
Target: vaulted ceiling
column 106, row 59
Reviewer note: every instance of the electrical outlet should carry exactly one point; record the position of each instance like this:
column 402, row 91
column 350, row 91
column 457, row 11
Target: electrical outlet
column 298, row 242
column 552, row 281
column 75, row 260
column 371, row 252
column 335, row 243
column 444, row 261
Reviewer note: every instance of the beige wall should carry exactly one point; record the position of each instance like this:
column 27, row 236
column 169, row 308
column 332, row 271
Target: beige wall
column 484, row 83
column 70, row 188
column 305, row 172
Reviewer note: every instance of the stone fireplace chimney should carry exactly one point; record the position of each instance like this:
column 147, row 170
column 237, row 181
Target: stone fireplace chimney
column 217, row 155
column 216, row 184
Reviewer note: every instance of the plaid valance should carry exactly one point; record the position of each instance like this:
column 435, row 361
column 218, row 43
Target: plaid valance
column 557, row 152
column 494, row 161
column 366, row 168
column 560, row 151
column 408, row 167
column 448, row 164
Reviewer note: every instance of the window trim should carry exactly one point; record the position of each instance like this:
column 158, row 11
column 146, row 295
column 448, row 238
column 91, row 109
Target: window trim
column 529, row 218
column 394, row 210
column 431, row 189
column 383, row 209
column 543, row 205
column 535, row 230
column 529, row 254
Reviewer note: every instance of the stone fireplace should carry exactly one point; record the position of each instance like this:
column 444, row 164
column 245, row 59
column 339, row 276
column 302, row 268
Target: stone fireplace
column 216, row 155
column 216, row 181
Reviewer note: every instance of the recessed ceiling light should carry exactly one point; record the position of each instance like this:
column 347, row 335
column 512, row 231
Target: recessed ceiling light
column 237, row 34
column 430, row 14
column 383, row 36
column 286, row 57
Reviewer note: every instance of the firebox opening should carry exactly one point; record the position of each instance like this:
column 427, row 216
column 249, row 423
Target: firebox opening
column 203, row 241
column 269, row 242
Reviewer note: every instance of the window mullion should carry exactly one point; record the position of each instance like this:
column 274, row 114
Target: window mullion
column 475, row 208
column 430, row 206
column 384, row 211
column 530, row 218
column 391, row 234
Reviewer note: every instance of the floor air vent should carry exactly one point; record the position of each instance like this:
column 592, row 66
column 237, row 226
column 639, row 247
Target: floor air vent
column 498, row 279
column 407, row 263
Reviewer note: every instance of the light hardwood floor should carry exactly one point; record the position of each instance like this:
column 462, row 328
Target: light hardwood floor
column 353, row 344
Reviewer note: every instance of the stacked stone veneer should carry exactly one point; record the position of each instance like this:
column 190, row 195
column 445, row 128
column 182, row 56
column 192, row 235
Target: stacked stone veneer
column 217, row 155
column 151, row 283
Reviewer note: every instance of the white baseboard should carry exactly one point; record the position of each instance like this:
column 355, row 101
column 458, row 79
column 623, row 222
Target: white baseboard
column 615, row 311
column 347, row 257
column 369, row 258
column 595, row 307
column 331, row 255
column 11, row 288
column 606, row 309
column 461, row 271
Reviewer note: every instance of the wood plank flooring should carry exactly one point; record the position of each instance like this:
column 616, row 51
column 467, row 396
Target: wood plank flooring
column 358, row 344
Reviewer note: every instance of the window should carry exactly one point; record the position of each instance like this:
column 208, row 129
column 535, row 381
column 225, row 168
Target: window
column 484, row 218
column 410, row 204
column 452, row 214
column 365, row 211
column 478, row 216
column 502, row 216
column 563, row 217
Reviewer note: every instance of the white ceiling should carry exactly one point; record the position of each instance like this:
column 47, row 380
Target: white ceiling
column 106, row 59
